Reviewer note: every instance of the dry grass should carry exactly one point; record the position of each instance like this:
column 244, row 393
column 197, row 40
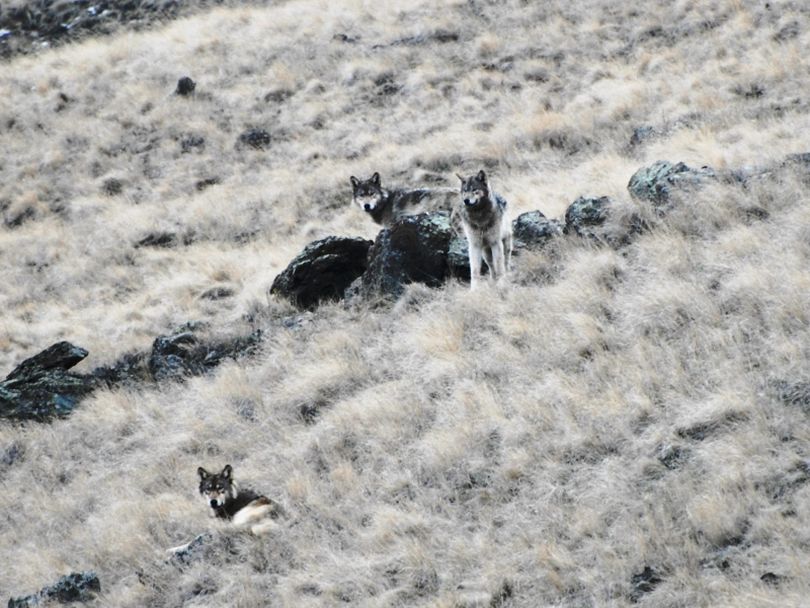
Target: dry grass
column 603, row 412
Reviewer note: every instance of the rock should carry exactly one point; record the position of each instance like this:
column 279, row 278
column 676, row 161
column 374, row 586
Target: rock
column 217, row 293
column 532, row 230
column 183, row 354
column 112, row 187
column 191, row 142
column 191, row 552
column 185, row 86
column 322, row 271
column 75, row 587
column 258, row 139
column 641, row 135
column 643, row 582
column 41, row 387
column 585, row 214
column 657, row 182
column 414, row 249
column 157, row 239
column 796, row 394
column 771, row 578
column 672, row 456
column 458, row 257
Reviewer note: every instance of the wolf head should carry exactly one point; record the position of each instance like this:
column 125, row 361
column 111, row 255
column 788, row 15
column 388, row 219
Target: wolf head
column 474, row 189
column 368, row 193
column 216, row 488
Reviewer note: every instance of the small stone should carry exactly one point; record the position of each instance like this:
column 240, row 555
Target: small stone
column 185, row 86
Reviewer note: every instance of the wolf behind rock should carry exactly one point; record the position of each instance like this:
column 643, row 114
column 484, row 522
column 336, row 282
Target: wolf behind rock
column 486, row 225
column 387, row 206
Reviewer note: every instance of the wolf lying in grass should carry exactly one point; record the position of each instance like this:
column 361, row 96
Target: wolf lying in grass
column 244, row 509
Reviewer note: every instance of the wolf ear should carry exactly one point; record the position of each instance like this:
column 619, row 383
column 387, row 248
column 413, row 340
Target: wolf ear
column 482, row 176
column 203, row 473
column 226, row 472
column 355, row 182
column 375, row 179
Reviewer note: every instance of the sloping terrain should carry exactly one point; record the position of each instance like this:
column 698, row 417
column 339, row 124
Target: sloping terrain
column 611, row 427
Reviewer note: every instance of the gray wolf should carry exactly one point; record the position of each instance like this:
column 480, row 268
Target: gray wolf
column 242, row 508
column 387, row 206
column 486, row 225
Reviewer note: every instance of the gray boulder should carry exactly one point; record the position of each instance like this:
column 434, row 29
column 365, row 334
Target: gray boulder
column 416, row 249
column 74, row 587
column 41, row 387
column 586, row 214
column 657, row 182
column 532, row 230
column 322, row 271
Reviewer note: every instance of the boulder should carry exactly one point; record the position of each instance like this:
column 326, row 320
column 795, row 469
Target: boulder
column 322, row 271
column 585, row 214
column 657, row 182
column 415, row 249
column 532, row 230
column 74, row 587
column 185, row 86
column 643, row 582
column 42, row 387
column 183, row 354
column 258, row 139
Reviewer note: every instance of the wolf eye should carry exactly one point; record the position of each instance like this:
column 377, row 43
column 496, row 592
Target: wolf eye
column 479, row 192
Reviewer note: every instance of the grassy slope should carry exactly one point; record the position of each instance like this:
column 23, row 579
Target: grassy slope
column 464, row 439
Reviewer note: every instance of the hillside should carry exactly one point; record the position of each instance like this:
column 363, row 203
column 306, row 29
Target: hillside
column 616, row 425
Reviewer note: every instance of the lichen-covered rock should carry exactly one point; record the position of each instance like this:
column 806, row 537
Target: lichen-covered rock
column 413, row 250
column 657, row 182
column 74, row 587
column 585, row 214
column 184, row 354
column 41, row 387
column 322, row 271
column 532, row 230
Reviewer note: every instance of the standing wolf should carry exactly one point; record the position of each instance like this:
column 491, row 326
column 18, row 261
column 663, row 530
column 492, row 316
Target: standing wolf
column 486, row 226
column 387, row 206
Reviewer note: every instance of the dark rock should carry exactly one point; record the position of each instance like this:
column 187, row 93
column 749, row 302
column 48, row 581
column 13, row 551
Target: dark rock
column 192, row 552
column 183, row 354
column 322, row 271
column 41, row 387
column 657, row 182
column 500, row 596
column 217, row 293
column 185, row 86
column 672, row 456
column 205, row 183
column 585, row 214
column 192, row 142
column 112, row 186
column 158, row 239
column 132, row 367
column 278, row 96
column 752, row 91
column 784, row 484
column 771, row 578
column 642, row 134
column 532, row 230
column 458, row 258
column 75, row 587
column 258, row 139
column 643, row 582
column 413, row 250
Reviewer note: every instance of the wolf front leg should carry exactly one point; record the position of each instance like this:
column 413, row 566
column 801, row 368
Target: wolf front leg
column 475, row 263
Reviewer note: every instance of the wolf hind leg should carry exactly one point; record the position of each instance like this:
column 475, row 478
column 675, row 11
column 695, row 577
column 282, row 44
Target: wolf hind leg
column 507, row 252
column 498, row 261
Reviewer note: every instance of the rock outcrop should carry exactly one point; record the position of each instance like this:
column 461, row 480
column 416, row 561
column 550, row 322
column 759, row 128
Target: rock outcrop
column 413, row 250
column 41, row 387
column 532, row 230
column 657, row 182
column 585, row 214
column 322, row 271
column 74, row 587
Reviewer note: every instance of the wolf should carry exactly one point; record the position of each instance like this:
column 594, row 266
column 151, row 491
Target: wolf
column 243, row 508
column 387, row 206
column 486, row 225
